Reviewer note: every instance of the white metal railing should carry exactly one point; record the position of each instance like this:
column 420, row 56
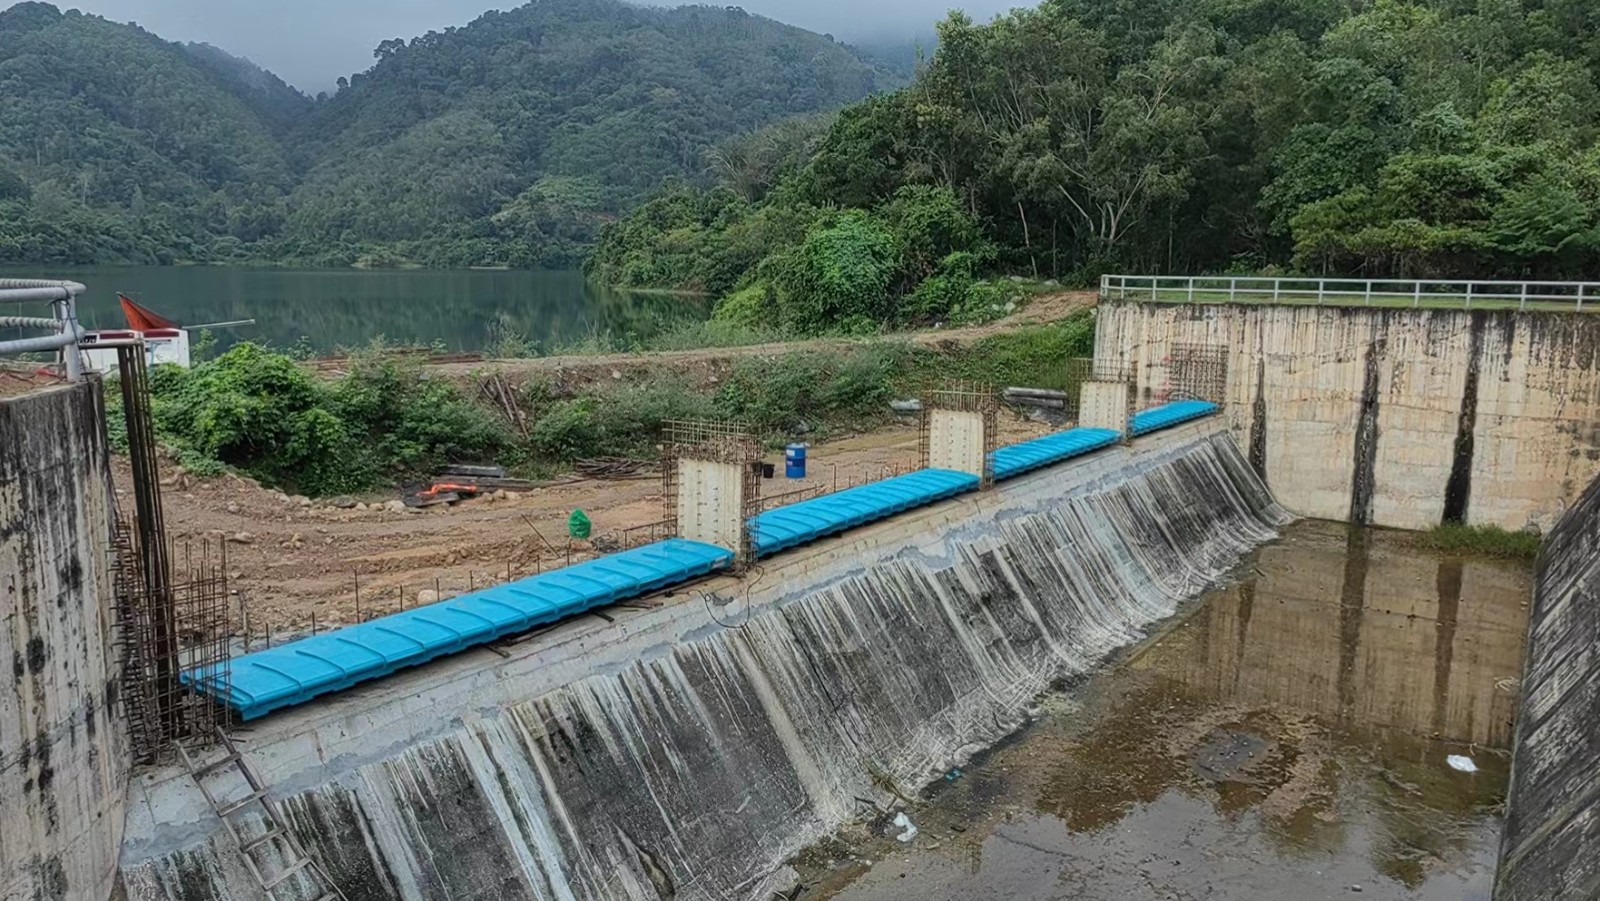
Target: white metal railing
column 1352, row 292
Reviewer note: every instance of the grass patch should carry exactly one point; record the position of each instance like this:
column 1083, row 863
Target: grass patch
column 1481, row 541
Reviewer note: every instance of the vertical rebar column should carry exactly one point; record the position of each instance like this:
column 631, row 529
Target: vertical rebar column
column 158, row 635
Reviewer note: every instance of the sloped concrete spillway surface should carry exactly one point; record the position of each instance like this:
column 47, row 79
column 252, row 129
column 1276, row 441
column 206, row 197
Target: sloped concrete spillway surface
column 686, row 751
column 1551, row 844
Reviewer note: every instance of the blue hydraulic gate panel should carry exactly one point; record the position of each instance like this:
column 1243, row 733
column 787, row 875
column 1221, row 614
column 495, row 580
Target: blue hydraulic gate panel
column 1015, row 459
column 1168, row 415
column 798, row 524
column 256, row 684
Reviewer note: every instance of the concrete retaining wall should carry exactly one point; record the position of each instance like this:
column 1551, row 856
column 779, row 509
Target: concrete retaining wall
column 686, row 751
column 63, row 757
column 1394, row 417
column 1551, row 844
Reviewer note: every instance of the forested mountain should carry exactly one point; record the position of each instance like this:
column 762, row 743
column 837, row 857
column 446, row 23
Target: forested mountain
column 506, row 141
column 279, row 106
column 1434, row 137
column 115, row 144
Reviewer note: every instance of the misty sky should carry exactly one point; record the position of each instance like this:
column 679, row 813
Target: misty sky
column 310, row 43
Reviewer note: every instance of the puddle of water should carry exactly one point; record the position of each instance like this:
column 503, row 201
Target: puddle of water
column 1286, row 739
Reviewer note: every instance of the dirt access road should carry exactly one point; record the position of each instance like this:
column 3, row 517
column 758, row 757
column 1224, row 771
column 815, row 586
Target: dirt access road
column 1042, row 309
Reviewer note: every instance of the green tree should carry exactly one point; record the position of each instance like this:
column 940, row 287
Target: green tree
column 839, row 278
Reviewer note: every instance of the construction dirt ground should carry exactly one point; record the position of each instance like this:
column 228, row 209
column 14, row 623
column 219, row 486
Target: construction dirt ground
column 291, row 559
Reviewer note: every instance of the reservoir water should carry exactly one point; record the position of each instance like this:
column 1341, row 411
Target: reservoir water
column 461, row 310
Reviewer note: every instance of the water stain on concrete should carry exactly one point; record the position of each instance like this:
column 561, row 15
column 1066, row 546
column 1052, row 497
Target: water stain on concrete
column 1286, row 739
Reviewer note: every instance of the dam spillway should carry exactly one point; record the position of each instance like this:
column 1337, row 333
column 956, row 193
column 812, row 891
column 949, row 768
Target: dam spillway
column 689, row 749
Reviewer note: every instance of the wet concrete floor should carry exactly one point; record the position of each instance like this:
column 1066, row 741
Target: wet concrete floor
column 1285, row 739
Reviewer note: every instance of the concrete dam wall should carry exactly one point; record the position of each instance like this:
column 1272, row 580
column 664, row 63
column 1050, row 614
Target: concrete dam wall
column 688, row 749
column 1393, row 417
column 1551, row 844
column 63, row 758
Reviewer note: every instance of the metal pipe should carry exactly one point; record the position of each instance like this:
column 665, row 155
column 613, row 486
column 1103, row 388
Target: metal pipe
column 39, row 345
column 54, row 325
column 30, row 290
column 32, row 295
column 62, row 296
column 73, row 287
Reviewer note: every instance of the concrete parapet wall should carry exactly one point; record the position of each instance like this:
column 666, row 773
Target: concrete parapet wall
column 686, row 751
column 1551, row 844
column 1395, row 417
column 63, row 757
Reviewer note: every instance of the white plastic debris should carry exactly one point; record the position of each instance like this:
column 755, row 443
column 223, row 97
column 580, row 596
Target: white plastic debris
column 910, row 828
column 1461, row 764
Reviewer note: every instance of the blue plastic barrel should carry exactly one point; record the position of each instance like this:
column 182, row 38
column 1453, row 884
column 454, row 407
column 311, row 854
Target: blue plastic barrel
column 794, row 461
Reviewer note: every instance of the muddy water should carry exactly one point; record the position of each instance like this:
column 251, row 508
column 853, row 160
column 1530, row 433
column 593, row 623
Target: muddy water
column 1287, row 739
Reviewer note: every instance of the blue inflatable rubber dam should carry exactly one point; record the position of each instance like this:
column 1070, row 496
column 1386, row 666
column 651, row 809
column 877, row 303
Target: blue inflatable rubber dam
column 1014, row 460
column 291, row 674
column 258, row 683
column 1168, row 415
column 797, row 524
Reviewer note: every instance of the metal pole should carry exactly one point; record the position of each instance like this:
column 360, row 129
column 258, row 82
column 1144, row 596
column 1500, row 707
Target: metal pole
column 1416, row 299
column 1522, row 304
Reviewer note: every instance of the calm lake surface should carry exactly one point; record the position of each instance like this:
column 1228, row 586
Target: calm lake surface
column 348, row 307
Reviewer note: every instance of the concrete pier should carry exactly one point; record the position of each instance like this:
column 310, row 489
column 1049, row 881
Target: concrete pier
column 63, row 756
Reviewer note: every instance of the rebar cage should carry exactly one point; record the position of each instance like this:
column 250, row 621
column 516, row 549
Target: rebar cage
column 1197, row 372
column 166, row 625
column 716, row 441
column 961, row 397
